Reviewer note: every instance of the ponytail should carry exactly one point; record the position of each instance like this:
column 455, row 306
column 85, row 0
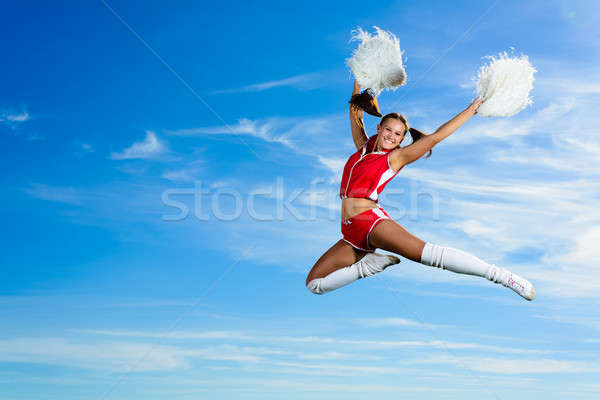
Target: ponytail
column 416, row 135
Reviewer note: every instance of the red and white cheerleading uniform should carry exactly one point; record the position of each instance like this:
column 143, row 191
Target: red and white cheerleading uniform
column 365, row 175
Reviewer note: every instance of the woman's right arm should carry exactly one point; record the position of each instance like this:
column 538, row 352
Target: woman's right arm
column 356, row 123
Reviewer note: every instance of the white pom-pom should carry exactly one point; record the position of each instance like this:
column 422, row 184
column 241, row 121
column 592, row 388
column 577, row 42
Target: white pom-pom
column 504, row 85
column 377, row 62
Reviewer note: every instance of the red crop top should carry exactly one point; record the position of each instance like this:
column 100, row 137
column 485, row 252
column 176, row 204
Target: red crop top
column 367, row 172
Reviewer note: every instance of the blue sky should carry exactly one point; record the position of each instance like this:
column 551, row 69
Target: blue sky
column 160, row 217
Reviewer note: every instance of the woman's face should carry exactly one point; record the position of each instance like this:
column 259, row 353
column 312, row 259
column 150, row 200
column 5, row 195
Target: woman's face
column 391, row 133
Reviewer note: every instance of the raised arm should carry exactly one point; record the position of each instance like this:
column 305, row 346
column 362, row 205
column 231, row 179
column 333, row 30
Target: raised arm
column 356, row 123
column 406, row 155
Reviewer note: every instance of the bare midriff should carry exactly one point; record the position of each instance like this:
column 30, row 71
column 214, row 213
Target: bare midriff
column 352, row 206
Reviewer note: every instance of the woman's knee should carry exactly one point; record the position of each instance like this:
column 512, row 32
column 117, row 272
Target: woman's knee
column 314, row 285
column 311, row 275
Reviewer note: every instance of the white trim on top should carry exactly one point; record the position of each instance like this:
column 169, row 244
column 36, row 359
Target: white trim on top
column 386, row 176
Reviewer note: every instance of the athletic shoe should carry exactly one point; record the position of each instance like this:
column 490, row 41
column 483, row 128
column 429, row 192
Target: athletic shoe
column 520, row 285
column 373, row 263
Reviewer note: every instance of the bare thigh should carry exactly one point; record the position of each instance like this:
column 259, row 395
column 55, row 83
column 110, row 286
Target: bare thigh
column 340, row 255
column 391, row 236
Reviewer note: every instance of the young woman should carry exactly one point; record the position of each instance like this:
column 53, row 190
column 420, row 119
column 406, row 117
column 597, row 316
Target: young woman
column 366, row 226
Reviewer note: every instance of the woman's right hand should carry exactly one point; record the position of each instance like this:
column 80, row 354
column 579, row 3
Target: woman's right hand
column 357, row 111
column 356, row 89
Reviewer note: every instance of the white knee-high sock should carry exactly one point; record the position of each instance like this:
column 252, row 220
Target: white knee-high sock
column 334, row 280
column 464, row 263
column 369, row 265
column 460, row 262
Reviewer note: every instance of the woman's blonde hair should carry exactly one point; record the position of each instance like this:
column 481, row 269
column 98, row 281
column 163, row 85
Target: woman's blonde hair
column 414, row 133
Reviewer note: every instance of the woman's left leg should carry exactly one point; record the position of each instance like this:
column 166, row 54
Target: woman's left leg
column 343, row 264
column 391, row 236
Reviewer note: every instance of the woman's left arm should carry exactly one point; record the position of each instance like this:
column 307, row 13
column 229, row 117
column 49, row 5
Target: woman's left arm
column 406, row 155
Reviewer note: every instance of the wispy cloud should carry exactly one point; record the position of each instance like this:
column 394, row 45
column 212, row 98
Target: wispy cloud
column 244, row 126
column 393, row 322
column 513, row 214
column 517, row 366
column 583, row 317
column 148, row 148
column 301, row 82
column 544, row 121
column 335, row 165
column 309, row 136
column 87, row 147
column 181, row 175
column 57, row 194
column 24, row 116
column 111, row 356
column 205, row 335
column 321, row 340
column 15, row 119
column 369, row 356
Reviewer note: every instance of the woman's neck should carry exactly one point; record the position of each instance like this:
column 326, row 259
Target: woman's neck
column 379, row 148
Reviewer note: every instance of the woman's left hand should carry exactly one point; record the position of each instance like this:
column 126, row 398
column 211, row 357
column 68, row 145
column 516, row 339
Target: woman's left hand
column 475, row 105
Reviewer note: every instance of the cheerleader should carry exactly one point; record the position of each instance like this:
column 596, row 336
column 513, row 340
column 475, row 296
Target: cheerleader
column 366, row 226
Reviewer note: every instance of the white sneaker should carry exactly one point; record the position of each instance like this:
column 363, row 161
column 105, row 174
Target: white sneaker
column 373, row 263
column 520, row 285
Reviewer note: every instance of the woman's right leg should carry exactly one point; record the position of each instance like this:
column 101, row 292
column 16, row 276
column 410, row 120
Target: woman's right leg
column 343, row 264
column 391, row 236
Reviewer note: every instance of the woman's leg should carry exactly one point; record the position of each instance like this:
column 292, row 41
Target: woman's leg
column 391, row 236
column 343, row 264
column 340, row 255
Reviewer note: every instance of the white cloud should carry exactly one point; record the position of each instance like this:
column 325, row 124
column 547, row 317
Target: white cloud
column 516, row 214
column 303, row 82
column 205, row 335
column 8, row 117
column 473, row 227
column 585, row 248
column 544, row 121
column 181, row 175
column 578, row 317
column 335, row 355
column 319, row 340
column 335, row 165
column 244, row 126
column 18, row 117
column 148, row 148
column 57, row 194
column 87, row 147
column 309, row 136
column 517, row 366
column 570, row 83
column 393, row 322
column 573, row 152
column 111, row 356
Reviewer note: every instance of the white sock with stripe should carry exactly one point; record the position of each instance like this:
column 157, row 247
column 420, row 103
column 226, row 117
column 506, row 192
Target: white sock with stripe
column 462, row 262
column 369, row 265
